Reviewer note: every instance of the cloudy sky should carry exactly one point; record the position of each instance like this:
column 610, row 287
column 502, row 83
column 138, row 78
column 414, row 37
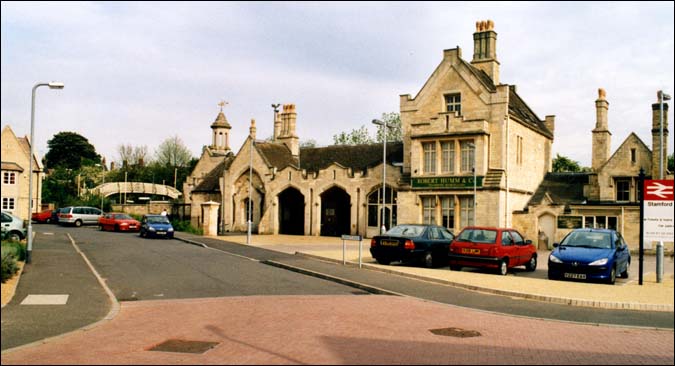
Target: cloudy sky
column 138, row 73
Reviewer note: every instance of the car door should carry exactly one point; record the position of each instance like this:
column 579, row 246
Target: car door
column 622, row 254
column 522, row 250
column 508, row 248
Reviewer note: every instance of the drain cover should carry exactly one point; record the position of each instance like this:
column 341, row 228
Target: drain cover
column 455, row 332
column 181, row 346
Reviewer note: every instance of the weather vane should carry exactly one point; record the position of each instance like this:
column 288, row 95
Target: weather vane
column 222, row 104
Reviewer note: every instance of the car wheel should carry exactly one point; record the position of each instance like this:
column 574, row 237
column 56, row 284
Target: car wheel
column 625, row 274
column 14, row 236
column 612, row 276
column 78, row 223
column 140, row 233
column 48, row 221
column 383, row 261
column 531, row 265
column 503, row 267
column 117, row 228
column 428, row 260
column 455, row 268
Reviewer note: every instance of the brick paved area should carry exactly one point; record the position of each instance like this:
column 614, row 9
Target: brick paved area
column 367, row 329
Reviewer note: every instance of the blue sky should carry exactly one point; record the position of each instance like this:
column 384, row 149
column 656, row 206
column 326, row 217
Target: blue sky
column 137, row 73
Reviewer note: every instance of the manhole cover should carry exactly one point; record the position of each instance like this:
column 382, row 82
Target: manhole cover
column 455, row 332
column 177, row 345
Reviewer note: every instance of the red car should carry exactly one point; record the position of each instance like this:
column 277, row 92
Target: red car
column 44, row 217
column 491, row 247
column 118, row 222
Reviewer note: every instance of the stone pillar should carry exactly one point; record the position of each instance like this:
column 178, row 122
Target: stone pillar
column 601, row 135
column 656, row 139
column 210, row 218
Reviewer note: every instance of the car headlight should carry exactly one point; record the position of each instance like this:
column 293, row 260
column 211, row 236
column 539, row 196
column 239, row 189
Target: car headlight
column 124, row 224
column 554, row 259
column 599, row 262
column 151, row 228
column 170, row 229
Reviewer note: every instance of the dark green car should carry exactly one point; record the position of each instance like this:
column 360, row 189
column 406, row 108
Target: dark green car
column 425, row 244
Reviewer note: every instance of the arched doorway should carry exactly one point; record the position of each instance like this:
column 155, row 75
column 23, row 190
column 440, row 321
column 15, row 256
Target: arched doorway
column 335, row 212
column 291, row 212
column 547, row 228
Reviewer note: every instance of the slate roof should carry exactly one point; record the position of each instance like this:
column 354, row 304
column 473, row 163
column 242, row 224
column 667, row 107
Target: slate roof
column 276, row 154
column 563, row 188
column 221, row 121
column 523, row 113
column 357, row 157
column 210, row 183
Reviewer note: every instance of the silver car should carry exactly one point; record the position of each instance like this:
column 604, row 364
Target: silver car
column 13, row 227
column 79, row 215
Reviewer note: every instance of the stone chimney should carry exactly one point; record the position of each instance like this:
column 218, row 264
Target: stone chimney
column 602, row 138
column 287, row 135
column 485, row 49
column 252, row 129
column 656, row 138
column 549, row 122
column 277, row 122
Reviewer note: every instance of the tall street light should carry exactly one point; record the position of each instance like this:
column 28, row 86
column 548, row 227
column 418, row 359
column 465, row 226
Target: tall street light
column 659, row 246
column 473, row 169
column 384, row 125
column 250, row 195
column 52, row 85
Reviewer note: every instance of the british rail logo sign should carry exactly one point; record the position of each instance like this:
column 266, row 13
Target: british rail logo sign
column 658, row 224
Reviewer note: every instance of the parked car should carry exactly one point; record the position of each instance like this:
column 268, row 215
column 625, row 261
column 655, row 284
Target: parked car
column 13, row 227
column 426, row 243
column 118, row 222
column 492, row 247
column 157, row 226
column 590, row 254
column 79, row 215
column 44, row 217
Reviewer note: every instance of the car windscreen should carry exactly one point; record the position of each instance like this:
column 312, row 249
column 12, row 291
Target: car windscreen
column 406, row 230
column 158, row 220
column 478, row 236
column 588, row 239
column 123, row 217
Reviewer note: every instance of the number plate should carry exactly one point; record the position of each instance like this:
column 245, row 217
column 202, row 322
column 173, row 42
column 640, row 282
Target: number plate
column 161, row 233
column 470, row 251
column 578, row 276
column 390, row 243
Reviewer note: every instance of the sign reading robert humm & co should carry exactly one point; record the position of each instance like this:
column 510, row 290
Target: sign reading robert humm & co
column 446, row 182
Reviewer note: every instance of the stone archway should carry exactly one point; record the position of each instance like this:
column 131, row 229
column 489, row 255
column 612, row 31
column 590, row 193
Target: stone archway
column 335, row 212
column 291, row 212
column 547, row 223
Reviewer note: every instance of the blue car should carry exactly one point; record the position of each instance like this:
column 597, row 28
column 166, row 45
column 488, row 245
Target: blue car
column 157, row 226
column 590, row 254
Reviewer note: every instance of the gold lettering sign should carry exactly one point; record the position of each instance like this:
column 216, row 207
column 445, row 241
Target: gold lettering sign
column 462, row 182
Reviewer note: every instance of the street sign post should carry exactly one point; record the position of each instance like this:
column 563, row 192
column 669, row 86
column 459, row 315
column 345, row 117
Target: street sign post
column 358, row 238
column 657, row 220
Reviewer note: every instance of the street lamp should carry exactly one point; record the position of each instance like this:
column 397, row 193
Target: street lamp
column 384, row 125
column 52, row 85
column 473, row 169
column 659, row 246
column 250, row 179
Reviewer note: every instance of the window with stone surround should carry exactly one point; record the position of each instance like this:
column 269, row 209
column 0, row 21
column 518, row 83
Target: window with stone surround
column 453, row 103
column 429, row 207
column 622, row 186
column 8, row 203
column 468, row 154
column 429, row 149
column 8, row 178
column 466, row 211
column 448, row 211
column 447, row 157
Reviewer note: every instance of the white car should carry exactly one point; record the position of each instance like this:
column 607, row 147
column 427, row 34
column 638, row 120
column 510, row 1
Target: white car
column 12, row 227
column 79, row 215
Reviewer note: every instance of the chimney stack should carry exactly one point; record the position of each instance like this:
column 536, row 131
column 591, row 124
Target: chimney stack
column 656, row 138
column 485, row 49
column 252, row 129
column 288, row 136
column 602, row 138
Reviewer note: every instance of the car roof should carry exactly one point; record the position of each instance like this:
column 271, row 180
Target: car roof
column 588, row 229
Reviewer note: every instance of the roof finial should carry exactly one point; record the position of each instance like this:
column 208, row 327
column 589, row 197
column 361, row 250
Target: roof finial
column 222, row 104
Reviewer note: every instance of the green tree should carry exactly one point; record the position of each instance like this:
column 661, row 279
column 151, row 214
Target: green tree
column 172, row 152
column 393, row 120
column 354, row 137
column 70, row 150
column 565, row 164
column 671, row 163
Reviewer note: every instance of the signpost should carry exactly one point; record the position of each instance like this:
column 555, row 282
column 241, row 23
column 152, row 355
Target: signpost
column 358, row 238
column 657, row 220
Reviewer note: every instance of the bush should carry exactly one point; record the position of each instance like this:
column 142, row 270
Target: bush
column 18, row 250
column 9, row 266
column 186, row 227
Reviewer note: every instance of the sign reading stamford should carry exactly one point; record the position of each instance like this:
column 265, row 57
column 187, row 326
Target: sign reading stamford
column 446, row 182
column 658, row 210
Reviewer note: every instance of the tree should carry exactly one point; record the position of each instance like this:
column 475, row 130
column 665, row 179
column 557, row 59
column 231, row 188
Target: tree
column 70, row 150
column 308, row 143
column 671, row 162
column 172, row 152
column 392, row 119
column 565, row 164
column 355, row 137
column 133, row 155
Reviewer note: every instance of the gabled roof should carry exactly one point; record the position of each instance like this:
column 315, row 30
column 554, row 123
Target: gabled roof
column 276, row 154
column 210, row 183
column 561, row 188
column 632, row 134
column 481, row 75
column 11, row 166
column 521, row 111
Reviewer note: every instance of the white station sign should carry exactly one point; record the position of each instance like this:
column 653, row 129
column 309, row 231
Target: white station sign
column 658, row 224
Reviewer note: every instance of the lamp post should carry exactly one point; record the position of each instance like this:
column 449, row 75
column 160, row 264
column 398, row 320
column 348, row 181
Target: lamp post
column 659, row 246
column 51, row 85
column 473, row 169
column 384, row 125
column 250, row 178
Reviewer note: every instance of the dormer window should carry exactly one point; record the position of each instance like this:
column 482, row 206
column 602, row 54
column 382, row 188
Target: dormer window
column 453, row 103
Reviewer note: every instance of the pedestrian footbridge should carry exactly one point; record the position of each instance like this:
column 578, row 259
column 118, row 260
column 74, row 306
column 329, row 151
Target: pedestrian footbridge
column 109, row 189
